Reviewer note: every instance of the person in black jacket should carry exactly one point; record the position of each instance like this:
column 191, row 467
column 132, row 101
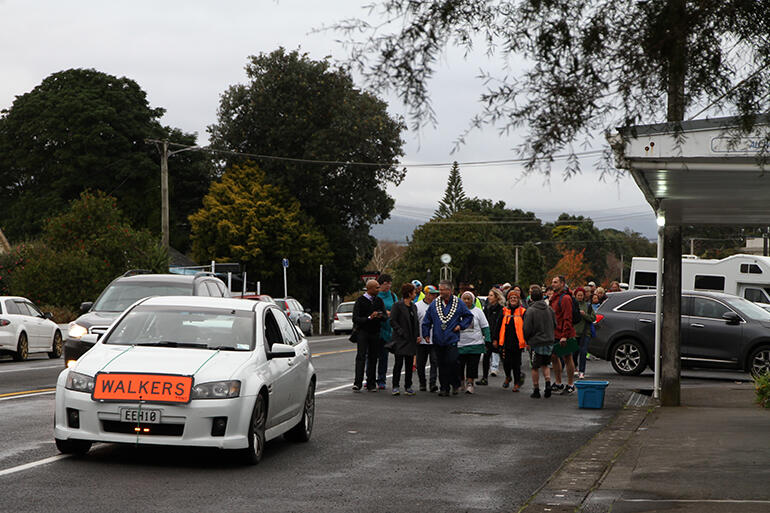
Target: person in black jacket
column 368, row 314
column 403, row 320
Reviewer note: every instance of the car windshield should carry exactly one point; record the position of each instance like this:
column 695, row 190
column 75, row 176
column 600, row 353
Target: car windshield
column 120, row 296
column 747, row 308
column 345, row 308
column 204, row 328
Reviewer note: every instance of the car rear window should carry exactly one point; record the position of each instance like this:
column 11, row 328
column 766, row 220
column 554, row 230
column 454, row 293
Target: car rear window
column 11, row 308
column 120, row 295
column 345, row 308
column 281, row 303
column 644, row 304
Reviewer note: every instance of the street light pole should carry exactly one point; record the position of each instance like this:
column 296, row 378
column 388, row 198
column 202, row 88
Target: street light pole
column 516, row 277
column 164, row 194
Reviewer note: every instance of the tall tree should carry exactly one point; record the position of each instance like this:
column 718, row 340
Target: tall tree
column 82, row 129
column 454, row 198
column 593, row 64
column 307, row 110
column 246, row 220
column 573, row 267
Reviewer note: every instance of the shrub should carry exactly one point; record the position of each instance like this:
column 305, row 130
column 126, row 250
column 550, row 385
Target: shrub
column 61, row 314
column 762, row 388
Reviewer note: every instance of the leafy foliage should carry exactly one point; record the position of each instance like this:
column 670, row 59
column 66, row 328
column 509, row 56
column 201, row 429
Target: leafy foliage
column 300, row 108
column 454, row 195
column 762, row 389
column 593, row 65
column 573, row 267
column 82, row 129
column 246, row 220
column 79, row 253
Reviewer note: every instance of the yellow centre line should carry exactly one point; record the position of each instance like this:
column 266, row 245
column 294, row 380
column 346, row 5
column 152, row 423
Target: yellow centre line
column 11, row 394
column 334, row 352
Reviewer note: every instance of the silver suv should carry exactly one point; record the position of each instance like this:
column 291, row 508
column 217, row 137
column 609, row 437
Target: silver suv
column 718, row 331
column 126, row 290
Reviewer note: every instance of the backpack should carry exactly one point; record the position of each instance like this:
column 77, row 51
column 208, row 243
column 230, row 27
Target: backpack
column 576, row 317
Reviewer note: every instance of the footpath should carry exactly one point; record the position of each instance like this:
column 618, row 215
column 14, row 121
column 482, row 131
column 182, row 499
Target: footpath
column 712, row 454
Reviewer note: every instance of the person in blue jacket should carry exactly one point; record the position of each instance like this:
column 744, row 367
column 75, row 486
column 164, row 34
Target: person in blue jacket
column 441, row 326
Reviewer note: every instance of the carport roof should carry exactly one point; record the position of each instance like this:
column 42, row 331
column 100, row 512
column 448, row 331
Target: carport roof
column 707, row 173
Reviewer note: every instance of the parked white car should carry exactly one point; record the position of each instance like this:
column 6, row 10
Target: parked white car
column 24, row 329
column 343, row 318
column 191, row 371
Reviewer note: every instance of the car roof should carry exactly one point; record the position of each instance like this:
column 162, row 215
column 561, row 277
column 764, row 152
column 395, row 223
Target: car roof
column 172, row 278
column 629, row 294
column 206, row 302
column 15, row 297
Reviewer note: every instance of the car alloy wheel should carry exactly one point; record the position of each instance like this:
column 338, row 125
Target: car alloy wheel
column 22, row 348
column 760, row 361
column 256, row 433
column 628, row 358
column 304, row 429
column 57, row 346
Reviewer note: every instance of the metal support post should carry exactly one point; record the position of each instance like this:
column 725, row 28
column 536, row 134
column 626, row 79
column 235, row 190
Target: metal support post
column 658, row 315
column 320, row 298
column 243, row 293
column 229, row 282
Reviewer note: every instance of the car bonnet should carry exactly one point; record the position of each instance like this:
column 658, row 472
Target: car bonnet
column 203, row 364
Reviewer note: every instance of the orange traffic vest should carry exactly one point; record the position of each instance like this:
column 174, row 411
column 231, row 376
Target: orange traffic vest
column 518, row 323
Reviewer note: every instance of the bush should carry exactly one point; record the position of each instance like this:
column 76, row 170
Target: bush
column 61, row 314
column 762, row 387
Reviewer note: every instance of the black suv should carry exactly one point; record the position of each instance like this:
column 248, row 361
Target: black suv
column 124, row 291
column 718, row 331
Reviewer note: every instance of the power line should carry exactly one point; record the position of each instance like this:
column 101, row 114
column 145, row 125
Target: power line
column 374, row 164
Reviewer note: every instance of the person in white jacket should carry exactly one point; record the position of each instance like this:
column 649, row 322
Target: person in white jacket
column 472, row 344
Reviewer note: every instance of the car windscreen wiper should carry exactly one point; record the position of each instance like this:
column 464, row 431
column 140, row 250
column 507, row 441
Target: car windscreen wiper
column 227, row 348
column 171, row 343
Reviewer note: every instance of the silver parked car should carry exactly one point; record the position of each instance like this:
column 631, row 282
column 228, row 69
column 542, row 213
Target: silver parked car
column 343, row 318
column 299, row 316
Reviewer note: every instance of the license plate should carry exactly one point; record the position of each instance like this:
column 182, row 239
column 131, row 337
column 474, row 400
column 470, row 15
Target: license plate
column 143, row 416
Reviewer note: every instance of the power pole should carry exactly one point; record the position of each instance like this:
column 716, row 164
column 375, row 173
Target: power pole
column 516, row 278
column 692, row 246
column 164, row 194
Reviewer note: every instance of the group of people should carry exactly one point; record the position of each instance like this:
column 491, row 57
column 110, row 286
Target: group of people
column 454, row 333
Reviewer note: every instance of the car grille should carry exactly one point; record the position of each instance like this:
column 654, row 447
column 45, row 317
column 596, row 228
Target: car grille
column 115, row 426
column 98, row 330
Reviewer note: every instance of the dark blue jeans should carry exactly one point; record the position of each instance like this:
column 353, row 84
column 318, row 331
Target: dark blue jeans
column 583, row 353
column 447, row 366
column 382, row 364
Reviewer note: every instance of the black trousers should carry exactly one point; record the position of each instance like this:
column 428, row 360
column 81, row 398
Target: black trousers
column 512, row 362
column 447, row 367
column 406, row 361
column 366, row 357
column 485, row 362
column 468, row 365
column 425, row 353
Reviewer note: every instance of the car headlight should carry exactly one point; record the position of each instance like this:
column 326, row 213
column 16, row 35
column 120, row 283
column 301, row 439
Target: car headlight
column 79, row 382
column 216, row 390
column 76, row 331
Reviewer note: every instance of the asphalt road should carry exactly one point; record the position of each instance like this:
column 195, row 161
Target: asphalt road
column 369, row 452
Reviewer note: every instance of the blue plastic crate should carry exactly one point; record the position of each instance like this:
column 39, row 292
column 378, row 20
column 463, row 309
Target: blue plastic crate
column 591, row 393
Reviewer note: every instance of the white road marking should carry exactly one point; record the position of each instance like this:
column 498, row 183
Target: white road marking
column 27, row 369
column 716, row 501
column 22, row 396
column 34, row 464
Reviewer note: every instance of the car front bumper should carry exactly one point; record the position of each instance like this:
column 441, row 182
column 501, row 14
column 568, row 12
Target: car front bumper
column 74, row 349
column 99, row 419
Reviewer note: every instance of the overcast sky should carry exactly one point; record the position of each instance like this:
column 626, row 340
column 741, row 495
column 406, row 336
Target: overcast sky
column 184, row 54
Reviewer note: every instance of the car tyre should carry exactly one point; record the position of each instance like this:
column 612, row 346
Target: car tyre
column 75, row 447
column 759, row 361
column 304, row 429
column 56, row 346
column 628, row 357
column 22, row 348
column 256, row 433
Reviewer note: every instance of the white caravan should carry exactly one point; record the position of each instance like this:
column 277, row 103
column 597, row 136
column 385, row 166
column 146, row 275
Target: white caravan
column 746, row 276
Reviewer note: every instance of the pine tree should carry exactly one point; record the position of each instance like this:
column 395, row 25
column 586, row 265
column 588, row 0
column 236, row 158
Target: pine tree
column 454, row 196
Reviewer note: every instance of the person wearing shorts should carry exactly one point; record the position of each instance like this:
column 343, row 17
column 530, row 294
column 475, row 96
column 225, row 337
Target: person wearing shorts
column 539, row 325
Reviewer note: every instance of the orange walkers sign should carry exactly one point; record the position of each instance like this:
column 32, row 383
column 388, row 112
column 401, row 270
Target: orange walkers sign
column 161, row 388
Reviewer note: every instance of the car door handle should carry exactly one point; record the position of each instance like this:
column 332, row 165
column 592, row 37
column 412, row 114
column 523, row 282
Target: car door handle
column 697, row 325
column 648, row 321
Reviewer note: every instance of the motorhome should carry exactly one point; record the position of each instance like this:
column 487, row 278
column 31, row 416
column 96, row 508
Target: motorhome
column 746, row 276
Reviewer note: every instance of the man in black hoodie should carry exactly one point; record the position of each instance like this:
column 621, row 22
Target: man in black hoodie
column 539, row 325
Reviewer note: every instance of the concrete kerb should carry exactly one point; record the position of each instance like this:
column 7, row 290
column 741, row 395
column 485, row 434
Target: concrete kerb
column 584, row 470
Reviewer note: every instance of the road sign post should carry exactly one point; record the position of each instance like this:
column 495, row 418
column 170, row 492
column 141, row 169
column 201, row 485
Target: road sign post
column 285, row 264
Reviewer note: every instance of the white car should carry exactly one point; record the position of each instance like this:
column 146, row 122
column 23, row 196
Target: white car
column 343, row 318
column 191, row 371
column 24, row 329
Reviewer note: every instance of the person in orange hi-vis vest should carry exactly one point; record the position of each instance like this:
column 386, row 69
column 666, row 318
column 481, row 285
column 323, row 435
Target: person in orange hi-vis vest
column 508, row 340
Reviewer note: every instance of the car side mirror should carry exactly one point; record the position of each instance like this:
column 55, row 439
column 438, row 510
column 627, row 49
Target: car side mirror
column 731, row 318
column 90, row 338
column 47, row 315
column 281, row 351
column 307, row 310
column 84, row 307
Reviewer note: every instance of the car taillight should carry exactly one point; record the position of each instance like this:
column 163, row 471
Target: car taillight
column 599, row 318
column 4, row 322
column 336, row 317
